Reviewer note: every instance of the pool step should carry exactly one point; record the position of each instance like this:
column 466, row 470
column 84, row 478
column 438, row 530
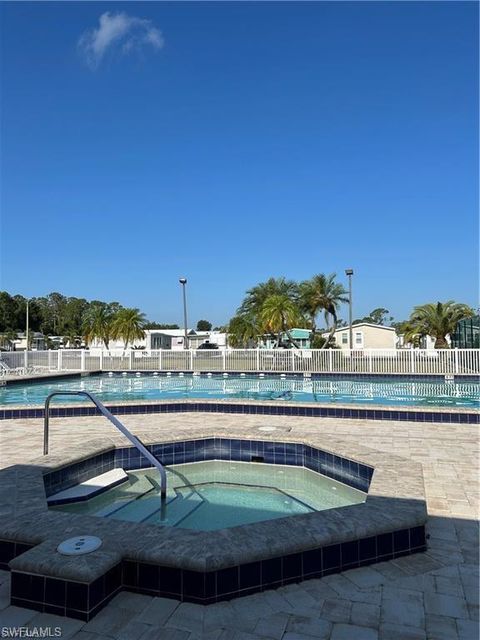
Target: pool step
column 125, row 495
column 182, row 505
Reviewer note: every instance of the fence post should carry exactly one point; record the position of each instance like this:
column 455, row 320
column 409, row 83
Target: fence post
column 370, row 361
column 60, row 360
column 130, row 360
column 82, row 360
column 412, row 360
column 101, row 360
column 330, row 360
column 292, row 359
column 224, row 358
column 160, row 360
column 258, row 359
column 456, row 359
column 25, row 358
column 190, row 354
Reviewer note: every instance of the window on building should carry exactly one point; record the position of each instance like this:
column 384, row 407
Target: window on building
column 358, row 338
column 344, row 338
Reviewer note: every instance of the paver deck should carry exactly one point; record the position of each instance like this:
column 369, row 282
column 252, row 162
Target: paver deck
column 428, row 596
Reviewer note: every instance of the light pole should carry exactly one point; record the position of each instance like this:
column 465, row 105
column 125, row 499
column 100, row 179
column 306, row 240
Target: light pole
column 183, row 282
column 26, row 333
column 349, row 273
column 26, row 323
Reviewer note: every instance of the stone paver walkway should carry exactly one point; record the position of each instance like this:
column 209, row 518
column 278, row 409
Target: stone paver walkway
column 429, row 596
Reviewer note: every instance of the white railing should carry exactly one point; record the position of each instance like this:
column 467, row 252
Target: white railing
column 379, row 361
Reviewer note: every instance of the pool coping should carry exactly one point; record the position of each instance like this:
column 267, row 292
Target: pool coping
column 264, row 407
column 395, row 503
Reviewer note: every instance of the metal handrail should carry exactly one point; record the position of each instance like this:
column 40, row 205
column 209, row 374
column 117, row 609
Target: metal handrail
column 116, row 423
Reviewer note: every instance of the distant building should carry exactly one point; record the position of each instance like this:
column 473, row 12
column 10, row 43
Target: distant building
column 365, row 336
column 37, row 341
column 171, row 339
column 467, row 334
column 300, row 336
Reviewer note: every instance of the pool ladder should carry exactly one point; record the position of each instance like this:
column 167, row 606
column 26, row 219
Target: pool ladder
column 137, row 443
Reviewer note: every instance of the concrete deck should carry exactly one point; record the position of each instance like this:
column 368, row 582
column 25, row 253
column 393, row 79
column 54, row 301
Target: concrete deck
column 425, row 596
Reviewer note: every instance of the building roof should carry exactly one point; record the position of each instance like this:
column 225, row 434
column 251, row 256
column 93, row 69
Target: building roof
column 300, row 333
column 168, row 332
column 365, row 324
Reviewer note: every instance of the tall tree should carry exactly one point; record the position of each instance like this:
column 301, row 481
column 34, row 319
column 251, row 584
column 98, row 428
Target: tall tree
column 128, row 325
column 256, row 296
column 98, row 324
column 159, row 325
column 242, row 331
column 204, row 325
column 7, row 312
column 438, row 320
column 278, row 315
column 322, row 294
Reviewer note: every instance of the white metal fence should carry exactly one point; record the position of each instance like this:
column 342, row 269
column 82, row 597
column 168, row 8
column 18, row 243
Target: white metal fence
column 418, row 361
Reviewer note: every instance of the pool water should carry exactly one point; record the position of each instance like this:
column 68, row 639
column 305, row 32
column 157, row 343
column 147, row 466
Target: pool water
column 216, row 494
column 142, row 387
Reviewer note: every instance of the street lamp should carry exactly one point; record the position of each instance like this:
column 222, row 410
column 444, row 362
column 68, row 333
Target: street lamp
column 349, row 273
column 183, row 282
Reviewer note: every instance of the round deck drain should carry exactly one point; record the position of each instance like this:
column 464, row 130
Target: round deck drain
column 79, row 545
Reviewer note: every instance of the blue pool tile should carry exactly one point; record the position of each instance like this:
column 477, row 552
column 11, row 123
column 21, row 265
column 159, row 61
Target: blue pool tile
column 367, row 549
column 227, row 580
column 350, row 554
column 292, row 567
column 331, row 558
column 401, row 540
column 384, row 544
column 250, row 575
column 170, row 581
column 193, row 584
column 312, row 563
column 417, row 537
column 148, row 576
column 271, row 571
column 28, row 586
column 77, row 596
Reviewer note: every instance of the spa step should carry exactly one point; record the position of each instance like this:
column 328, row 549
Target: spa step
column 177, row 509
column 126, row 494
column 89, row 488
column 138, row 510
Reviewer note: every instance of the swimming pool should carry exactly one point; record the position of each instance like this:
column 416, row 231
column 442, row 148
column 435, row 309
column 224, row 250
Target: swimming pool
column 385, row 391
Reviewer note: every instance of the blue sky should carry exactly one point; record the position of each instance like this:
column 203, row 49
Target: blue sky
column 231, row 142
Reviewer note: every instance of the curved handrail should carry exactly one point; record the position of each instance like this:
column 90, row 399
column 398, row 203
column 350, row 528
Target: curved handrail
column 106, row 413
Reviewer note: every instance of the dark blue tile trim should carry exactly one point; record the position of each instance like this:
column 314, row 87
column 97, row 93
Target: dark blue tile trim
column 361, row 413
column 350, row 472
column 83, row 601
column 10, row 550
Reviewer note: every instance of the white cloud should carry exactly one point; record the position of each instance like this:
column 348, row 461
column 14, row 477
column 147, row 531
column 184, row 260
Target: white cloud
column 118, row 31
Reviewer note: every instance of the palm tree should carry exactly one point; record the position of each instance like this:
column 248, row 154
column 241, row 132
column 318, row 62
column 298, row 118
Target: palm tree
column 242, row 331
column 128, row 325
column 7, row 339
column 322, row 293
column 71, row 338
column 278, row 315
column 439, row 320
column 98, row 324
column 410, row 332
column 256, row 296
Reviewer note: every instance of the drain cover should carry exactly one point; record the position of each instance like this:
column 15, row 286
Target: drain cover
column 79, row 545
